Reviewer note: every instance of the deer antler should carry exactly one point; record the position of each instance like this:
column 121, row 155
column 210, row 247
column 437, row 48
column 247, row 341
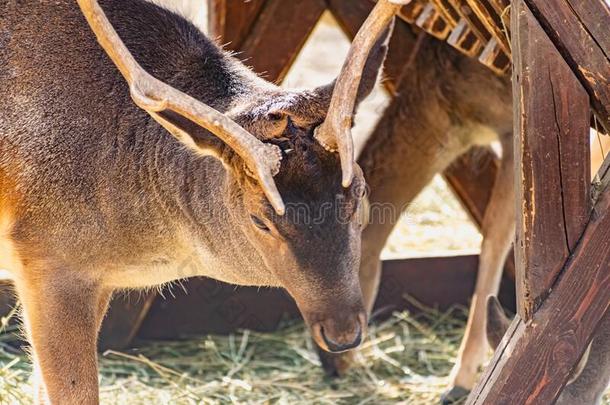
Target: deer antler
column 335, row 133
column 154, row 96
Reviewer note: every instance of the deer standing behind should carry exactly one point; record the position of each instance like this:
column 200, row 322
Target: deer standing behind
column 446, row 104
column 96, row 196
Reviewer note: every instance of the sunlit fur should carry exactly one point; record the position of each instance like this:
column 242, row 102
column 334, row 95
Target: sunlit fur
column 97, row 196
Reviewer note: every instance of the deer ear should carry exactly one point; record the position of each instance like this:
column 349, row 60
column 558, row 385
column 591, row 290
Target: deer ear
column 200, row 140
column 497, row 322
column 374, row 63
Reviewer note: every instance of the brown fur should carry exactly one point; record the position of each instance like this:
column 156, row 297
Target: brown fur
column 96, row 196
column 446, row 104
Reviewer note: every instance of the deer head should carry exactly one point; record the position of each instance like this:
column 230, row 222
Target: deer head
column 295, row 200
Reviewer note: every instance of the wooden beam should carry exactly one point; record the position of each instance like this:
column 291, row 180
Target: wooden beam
column 536, row 357
column 211, row 306
column 552, row 158
column 492, row 22
column 595, row 16
column 579, row 31
column 277, row 36
column 231, row 20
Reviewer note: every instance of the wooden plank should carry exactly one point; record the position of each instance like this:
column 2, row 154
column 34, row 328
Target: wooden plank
column 500, row 6
column 536, row 358
column 495, row 58
column 464, row 39
column 282, row 28
column 231, row 20
column 552, row 159
column 579, row 31
column 449, row 14
column 462, row 7
column 411, row 11
column 210, row 306
column 595, row 16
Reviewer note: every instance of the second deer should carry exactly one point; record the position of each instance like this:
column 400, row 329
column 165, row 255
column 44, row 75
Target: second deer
column 446, row 104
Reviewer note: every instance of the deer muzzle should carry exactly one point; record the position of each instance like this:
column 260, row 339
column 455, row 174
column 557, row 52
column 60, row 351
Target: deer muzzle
column 340, row 333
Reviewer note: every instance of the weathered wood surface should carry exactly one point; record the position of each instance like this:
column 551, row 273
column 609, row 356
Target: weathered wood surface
column 232, row 20
column 552, row 158
column 554, row 254
column 433, row 22
column 463, row 38
column 492, row 22
column 579, row 29
column 278, row 35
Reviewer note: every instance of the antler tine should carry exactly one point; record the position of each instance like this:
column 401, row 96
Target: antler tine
column 335, row 132
column 154, row 96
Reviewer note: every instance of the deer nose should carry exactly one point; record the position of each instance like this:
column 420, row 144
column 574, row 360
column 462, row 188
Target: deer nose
column 337, row 347
column 341, row 335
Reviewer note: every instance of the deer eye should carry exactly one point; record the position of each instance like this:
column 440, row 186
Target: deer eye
column 259, row 223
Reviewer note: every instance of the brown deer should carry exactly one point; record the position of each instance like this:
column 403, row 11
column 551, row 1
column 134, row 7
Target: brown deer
column 96, row 196
column 446, row 104
column 591, row 376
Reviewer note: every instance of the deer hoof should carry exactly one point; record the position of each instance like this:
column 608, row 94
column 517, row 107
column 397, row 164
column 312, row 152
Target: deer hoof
column 335, row 365
column 455, row 395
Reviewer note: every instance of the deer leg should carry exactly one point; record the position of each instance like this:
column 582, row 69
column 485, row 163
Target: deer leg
column 61, row 319
column 498, row 230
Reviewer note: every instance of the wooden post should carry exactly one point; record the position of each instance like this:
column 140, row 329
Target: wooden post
column 268, row 35
column 580, row 31
column 230, row 21
column 546, row 340
column 535, row 359
column 552, row 158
